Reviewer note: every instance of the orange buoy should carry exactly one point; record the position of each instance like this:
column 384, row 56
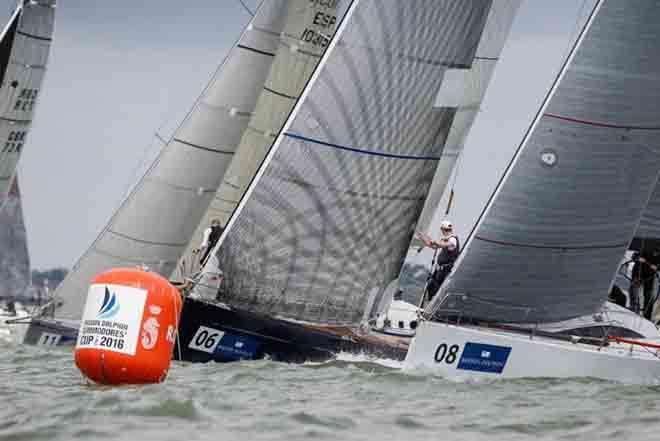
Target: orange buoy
column 128, row 328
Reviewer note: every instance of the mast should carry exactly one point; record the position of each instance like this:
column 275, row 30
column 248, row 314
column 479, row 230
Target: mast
column 327, row 219
column 548, row 244
column 155, row 223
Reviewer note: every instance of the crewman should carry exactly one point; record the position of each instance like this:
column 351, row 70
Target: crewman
column 643, row 279
column 209, row 239
column 449, row 247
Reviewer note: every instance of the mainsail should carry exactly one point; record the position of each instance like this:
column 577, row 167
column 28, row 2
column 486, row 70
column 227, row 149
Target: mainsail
column 155, row 223
column 24, row 48
column 464, row 90
column 549, row 242
column 14, row 258
column 327, row 221
column 306, row 34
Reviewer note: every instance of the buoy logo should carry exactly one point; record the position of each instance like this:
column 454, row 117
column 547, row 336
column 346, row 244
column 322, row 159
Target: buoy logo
column 110, row 306
column 150, row 333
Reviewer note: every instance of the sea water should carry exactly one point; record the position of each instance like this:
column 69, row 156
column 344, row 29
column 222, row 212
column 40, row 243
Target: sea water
column 44, row 397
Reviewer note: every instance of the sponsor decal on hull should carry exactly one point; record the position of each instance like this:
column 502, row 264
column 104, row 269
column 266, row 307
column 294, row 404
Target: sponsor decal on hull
column 224, row 346
column 484, row 358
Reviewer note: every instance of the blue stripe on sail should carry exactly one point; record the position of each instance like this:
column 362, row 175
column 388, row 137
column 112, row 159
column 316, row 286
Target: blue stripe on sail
column 362, row 151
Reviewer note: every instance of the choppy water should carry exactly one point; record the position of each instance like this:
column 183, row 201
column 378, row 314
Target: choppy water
column 44, row 397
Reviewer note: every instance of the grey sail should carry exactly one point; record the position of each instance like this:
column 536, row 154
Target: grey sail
column 464, row 90
column 14, row 258
column 549, row 242
column 328, row 219
column 155, row 223
column 649, row 226
column 24, row 48
column 302, row 42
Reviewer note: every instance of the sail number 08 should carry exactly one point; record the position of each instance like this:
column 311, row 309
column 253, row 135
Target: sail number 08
column 446, row 353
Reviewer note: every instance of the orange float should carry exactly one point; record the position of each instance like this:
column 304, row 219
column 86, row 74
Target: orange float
column 128, row 328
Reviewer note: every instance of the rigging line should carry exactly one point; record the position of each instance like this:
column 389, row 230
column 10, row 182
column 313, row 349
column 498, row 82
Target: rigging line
column 248, row 10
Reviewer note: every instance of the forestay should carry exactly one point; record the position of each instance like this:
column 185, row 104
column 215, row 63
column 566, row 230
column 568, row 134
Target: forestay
column 306, row 34
column 464, row 90
column 549, row 243
column 156, row 221
column 328, row 221
column 24, row 48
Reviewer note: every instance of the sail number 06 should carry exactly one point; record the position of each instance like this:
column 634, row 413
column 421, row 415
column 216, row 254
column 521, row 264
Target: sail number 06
column 206, row 339
column 446, row 353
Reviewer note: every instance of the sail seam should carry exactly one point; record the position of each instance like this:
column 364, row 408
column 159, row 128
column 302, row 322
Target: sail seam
column 130, row 259
column 148, row 242
column 35, row 37
column 258, row 51
column 20, row 121
column 181, row 187
column 599, row 123
column 362, row 151
column 200, row 147
column 283, row 95
column 551, row 247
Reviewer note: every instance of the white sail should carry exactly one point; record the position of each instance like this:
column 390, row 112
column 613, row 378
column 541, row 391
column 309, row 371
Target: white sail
column 326, row 222
column 464, row 90
column 305, row 37
column 551, row 238
column 14, row 258
column 155, row 223
column 24, row 48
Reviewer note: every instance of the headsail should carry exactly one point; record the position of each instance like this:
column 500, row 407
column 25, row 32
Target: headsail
column 549, row 242
column 156, row 221
column 24, row 48
column 14, row 258
column 306, row 34
column 327, row 221
column 464, row 90
column 648, row 232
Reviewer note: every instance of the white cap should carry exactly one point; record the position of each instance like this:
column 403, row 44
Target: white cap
column 446, row 225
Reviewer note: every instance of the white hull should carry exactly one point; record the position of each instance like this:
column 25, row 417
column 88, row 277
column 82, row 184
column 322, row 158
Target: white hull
column 471, row 352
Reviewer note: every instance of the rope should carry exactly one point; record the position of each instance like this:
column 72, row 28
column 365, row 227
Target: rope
column 249, row 11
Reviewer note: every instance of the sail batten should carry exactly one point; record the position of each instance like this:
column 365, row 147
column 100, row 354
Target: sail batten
column 550, row 240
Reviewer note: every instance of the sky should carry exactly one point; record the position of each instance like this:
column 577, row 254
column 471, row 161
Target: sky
column 122, row 70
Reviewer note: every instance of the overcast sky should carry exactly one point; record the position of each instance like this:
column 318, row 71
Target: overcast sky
column 121, row 70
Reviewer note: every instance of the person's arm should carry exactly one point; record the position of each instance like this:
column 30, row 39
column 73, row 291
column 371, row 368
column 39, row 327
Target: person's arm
column 205, row 238
column 427, row 241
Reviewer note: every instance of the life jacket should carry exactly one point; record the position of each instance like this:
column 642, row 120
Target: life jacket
column 216, row 232
column 448, row 256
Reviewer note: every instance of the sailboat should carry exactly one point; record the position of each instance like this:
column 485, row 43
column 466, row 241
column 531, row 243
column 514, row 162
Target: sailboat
column 326, row 221
column 155, row 226
column 550, row 240
column 24, row 49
